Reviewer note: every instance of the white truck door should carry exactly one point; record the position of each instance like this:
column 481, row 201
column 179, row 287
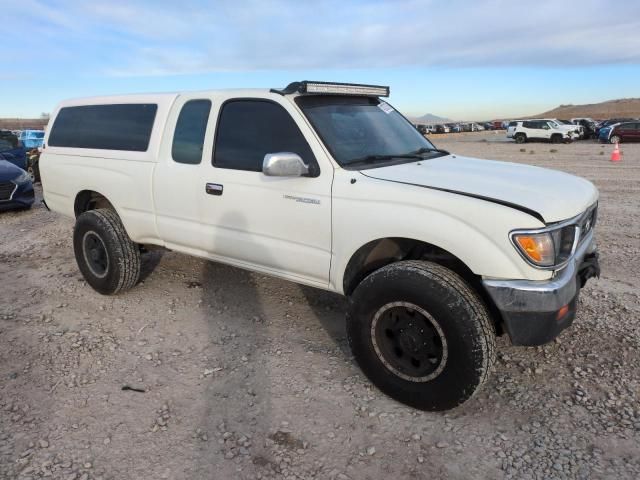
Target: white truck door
column 280, row 225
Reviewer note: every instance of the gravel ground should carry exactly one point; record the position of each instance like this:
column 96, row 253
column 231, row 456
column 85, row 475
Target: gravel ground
column 230, row 374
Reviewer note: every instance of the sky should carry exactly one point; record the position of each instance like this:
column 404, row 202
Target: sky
column 465, row 60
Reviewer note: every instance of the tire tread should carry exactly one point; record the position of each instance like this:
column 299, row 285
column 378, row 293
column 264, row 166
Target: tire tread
column 127, row 252
column 481, row 328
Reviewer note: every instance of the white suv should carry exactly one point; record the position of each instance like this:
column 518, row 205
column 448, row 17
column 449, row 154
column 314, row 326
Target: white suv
column 526, row 130
column 327, row 185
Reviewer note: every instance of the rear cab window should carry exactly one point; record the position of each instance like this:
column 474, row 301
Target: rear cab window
column 104, row 127
column 191, row 127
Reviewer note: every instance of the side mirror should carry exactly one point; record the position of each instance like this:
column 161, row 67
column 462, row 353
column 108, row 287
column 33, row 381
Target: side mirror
column 284, row 164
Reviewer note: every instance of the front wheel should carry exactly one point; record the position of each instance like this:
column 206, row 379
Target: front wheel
column 615, row 139
column 520, row 138
column 421, row 334
column 556, row 138
column 108, row 259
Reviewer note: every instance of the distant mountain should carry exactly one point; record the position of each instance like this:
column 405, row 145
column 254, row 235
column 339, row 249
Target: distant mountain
column 624, row 107
column 431, row 118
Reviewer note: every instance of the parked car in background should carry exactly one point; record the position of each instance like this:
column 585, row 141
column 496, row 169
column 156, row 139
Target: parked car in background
column 12, row 149
column 578, row 120
column 577, row 131
column 580, row 129
column 455, row 128
column 426, row 129
column 620, row 133
column 588, row 124
column 524, row 131
column 442, row 129
column 16, row 189
column 32, row 138
column 611, row 121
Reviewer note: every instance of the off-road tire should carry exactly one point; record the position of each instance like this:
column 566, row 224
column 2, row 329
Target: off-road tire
column 520, row 138
column 458, row 311
column 122, row 269
column 615, row 139
column 556, row 138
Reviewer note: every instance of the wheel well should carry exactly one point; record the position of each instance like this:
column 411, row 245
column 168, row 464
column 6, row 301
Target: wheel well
column 89, row 200
column 384, row 251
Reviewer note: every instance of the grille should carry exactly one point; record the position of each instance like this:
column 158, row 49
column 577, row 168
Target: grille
column 6, row 190
column 587, row 222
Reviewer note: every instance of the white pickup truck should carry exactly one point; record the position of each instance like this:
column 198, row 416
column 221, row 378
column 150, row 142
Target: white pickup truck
column 328, row 185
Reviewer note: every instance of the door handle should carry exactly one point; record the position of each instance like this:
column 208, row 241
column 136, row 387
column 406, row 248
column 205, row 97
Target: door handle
column 213, row 189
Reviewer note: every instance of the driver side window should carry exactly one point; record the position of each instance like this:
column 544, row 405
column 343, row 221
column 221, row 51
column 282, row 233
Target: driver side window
column 249, row 129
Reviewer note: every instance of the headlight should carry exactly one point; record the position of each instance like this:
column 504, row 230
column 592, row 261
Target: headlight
column 22, row 178
column 549, row 248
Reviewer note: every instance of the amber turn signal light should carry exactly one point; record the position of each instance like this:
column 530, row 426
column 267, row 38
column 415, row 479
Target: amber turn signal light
column 562, row 312
column 537, row 247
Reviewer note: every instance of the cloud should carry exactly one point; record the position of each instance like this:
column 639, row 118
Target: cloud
column 171, row 38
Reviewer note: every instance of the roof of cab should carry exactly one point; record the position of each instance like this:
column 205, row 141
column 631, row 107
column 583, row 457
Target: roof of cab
column 165, row 97
column 292, row 90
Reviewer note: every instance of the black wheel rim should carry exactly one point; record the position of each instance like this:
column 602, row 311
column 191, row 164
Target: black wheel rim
column 409, row 341
column 95, row 254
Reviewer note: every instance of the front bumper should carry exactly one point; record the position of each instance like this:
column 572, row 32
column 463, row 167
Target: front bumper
column 22, row 197
column 535, row 312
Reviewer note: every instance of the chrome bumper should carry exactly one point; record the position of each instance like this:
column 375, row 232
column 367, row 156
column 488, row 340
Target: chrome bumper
column 531, row 309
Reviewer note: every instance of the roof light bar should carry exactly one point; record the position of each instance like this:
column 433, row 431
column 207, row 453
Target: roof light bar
column 333, row 88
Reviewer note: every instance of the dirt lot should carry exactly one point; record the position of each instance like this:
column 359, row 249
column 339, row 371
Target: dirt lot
column 244, row 376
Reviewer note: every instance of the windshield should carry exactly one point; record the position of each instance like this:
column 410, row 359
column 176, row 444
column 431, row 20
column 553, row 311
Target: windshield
column 365, row 130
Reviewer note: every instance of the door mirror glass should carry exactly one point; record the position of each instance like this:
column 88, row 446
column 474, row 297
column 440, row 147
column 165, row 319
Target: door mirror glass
column 284, row 164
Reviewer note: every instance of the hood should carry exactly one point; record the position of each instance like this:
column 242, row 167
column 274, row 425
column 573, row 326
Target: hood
column 8, row 171
column 549, row 195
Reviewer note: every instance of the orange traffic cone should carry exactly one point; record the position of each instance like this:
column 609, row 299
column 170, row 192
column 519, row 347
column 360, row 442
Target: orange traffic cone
column 615, row 155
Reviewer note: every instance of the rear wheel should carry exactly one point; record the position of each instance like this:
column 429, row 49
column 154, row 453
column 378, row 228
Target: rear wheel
column 520, row 138
column 108, row 259
column 421, row 334
column 615, row 139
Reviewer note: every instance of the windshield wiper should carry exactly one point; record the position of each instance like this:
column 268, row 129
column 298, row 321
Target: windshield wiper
column 375, row 158
column 427, row 150
column 418, row 155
